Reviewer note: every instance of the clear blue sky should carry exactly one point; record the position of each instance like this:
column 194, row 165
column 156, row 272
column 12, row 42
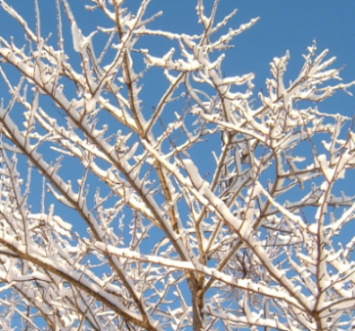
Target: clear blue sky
column 284, row 25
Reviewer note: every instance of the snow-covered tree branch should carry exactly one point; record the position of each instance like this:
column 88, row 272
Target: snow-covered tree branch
column 214, row 207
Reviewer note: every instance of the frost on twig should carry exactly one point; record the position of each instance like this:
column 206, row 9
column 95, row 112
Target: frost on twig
column 149, row 189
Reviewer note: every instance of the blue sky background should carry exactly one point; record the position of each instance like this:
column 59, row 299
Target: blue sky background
column 284, row 25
